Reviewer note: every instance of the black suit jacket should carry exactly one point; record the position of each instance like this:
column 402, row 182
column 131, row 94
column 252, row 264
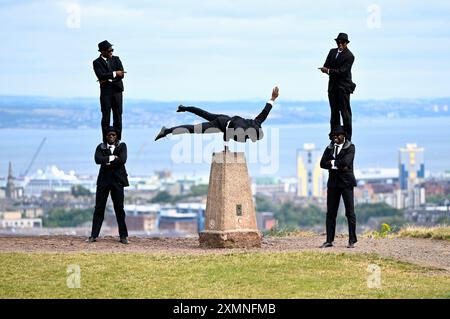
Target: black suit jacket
column 343, row 176
column 243, row 129
column 340, row 70
column 115, row 173
column 105, row 73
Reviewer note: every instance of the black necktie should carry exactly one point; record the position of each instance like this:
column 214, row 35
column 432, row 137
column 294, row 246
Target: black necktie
column 110, row 148
column 336, row 151
column 108, row 65
column 337, row 54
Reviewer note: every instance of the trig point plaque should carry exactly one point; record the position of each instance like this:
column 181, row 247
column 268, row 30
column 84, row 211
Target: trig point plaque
column 230, row 220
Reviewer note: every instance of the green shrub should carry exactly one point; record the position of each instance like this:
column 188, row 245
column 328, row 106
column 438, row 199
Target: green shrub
column 440, row 232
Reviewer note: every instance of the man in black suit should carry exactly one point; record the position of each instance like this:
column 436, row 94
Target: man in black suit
column 338, row 160
column 338, row 66
column 112, row 178
column 236, row 127
column 109, row 71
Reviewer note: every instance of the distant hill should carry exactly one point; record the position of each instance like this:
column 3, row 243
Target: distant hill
column 43, row 112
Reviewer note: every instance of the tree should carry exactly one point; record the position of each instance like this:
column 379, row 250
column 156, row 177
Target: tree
column 264, row 204
column 438, row 199
column 162, row 197
column 287, row 215
column 61, row 217
column 165, row 197
column 292, row 215
column 365, row 211
column 199, row 190
column 80, row 190
column 311, row 215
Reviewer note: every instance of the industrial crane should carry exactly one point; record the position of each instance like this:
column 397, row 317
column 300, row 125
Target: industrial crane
column 34, row 156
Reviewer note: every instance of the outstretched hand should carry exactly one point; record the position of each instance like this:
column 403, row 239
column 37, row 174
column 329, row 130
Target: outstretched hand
column 274, row 93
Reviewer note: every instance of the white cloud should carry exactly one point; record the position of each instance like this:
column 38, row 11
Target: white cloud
column 206, row 49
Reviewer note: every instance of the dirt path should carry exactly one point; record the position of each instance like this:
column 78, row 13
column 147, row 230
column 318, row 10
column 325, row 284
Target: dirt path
column 424, row 252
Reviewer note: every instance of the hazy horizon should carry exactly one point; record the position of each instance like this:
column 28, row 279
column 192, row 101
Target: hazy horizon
column 249, row 99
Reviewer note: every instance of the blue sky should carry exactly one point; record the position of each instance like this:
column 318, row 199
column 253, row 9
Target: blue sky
column 225, row 50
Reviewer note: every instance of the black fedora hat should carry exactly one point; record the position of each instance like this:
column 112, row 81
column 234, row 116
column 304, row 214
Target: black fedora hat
column 336, row 131
column 104, row 45
column 342, row 37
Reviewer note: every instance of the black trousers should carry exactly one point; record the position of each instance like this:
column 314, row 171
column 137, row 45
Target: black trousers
column 101, row 196
column 340, row 106
column 216, row 123
column 111, row 101
column 334, row 195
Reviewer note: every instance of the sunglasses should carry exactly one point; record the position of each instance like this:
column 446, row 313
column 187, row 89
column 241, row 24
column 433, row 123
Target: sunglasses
column 111, row 134
column 341, row 42
column 110, row 50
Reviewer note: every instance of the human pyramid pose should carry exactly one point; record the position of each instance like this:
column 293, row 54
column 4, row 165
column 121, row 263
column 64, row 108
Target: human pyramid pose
column 337, row 158
column 111, row 154
column 339, row 155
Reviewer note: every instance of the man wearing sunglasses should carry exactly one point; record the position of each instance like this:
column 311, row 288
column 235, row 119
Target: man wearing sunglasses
column 109, row 72
column 112, row 178
column 338, row 66
column 338, row 160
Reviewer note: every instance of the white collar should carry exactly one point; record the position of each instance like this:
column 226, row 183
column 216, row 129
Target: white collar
column 106, row 59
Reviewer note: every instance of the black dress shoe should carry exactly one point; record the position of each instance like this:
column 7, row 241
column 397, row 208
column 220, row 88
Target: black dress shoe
column 123, row 240
column 326, row 245
column 181, row 108
column 161, row 133
column 91, row 239
column 351, row 245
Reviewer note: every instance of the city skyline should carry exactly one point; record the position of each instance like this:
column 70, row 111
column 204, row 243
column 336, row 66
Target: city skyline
column 307, row 171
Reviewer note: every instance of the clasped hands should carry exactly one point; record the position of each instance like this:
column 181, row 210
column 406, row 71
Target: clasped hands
column 115, row 157
column 345, row 168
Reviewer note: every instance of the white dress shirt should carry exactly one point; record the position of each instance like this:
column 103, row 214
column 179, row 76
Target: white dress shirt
column 337, row 54
column 335, row 155
column 114, row 72
column 111, row 148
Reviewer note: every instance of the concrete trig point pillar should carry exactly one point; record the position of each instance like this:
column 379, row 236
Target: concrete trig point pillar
column 230, row 220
